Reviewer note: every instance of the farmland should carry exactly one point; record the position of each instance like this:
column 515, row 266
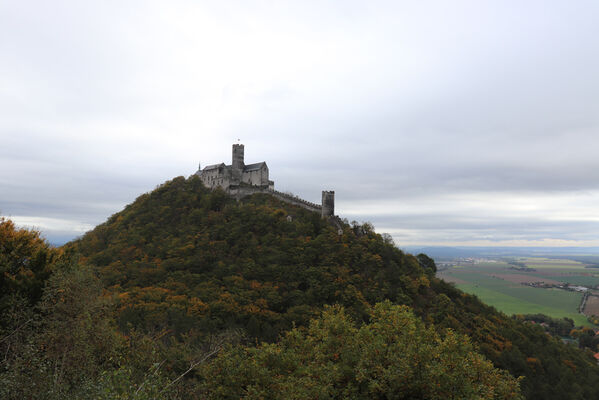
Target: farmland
column 508, row 285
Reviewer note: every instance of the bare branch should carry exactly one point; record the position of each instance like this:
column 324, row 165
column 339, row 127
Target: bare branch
column 16, row 330
column 193, row 365
column 214, row 346
column 146, row 378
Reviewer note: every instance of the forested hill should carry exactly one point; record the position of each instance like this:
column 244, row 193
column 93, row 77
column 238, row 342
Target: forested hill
column 195, row 262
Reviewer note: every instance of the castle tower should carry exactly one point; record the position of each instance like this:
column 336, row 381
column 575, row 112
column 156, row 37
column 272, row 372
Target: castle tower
column 238, row 156
column 237, row 164
column 328, row 203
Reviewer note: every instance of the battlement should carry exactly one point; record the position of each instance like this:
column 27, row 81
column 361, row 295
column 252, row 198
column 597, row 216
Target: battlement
column 291, row 199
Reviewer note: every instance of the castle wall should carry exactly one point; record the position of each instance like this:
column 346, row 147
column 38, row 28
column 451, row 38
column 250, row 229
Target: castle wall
column 240, row 192
column 215, row 177
column 256, row 177
column 296, row 201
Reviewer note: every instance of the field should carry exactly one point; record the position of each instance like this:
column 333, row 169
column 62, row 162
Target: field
column 501, row 286
column 592, row 306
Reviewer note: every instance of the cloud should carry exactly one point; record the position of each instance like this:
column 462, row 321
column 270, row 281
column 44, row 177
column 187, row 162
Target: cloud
column 53, row 224
column 482, row 218
column 436, row 120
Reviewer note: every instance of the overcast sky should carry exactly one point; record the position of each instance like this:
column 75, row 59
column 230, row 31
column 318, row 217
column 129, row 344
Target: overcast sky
column 441, row 122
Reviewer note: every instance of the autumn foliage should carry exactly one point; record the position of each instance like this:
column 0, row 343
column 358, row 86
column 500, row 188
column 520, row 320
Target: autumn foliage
column 139, row 302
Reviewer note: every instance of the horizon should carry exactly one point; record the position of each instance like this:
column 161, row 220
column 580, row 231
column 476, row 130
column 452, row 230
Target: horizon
column 462, row 124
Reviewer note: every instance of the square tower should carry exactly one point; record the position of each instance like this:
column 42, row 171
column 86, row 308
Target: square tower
column 237, row 165
column 328, row 203
column 237, row 162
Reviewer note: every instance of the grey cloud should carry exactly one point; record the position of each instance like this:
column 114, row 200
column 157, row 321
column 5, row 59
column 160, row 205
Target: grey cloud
column 400, row 101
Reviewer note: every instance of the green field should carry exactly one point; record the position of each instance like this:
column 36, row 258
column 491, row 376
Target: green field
column 502, row 292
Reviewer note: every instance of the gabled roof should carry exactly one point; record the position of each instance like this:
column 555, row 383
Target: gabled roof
column 214, row 166
column 255, row 167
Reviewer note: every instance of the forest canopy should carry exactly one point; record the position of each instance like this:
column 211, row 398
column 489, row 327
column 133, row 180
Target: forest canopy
column 185, row 279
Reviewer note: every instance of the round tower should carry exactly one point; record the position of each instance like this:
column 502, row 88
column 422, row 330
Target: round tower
column 328, row 203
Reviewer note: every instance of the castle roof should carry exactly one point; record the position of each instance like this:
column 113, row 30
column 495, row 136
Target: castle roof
column 254, row 167
column 247, row 168
column 214, row 166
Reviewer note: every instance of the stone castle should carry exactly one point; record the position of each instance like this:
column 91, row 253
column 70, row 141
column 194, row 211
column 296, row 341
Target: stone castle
column 237, row 174
column 240, row 180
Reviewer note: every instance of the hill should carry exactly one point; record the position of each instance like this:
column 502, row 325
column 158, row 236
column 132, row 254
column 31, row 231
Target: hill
column 185, row 258
column 189, row 260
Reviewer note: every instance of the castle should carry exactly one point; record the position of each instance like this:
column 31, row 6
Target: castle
column 240, row 180
column 237, row 174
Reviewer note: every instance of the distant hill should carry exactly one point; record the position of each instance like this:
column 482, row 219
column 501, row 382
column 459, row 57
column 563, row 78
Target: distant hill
column 193, row 262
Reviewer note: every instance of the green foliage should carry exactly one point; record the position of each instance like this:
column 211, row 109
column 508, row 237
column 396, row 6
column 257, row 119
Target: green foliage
column 586, row 338
column 70, row 349
column 593, row 319
column 78, row 332
column 71, row 337
column 58, row 338
column 191, row 262
column 123, row 384
column 555, row 326
column 521, row 348
column 187, row 259
column 393, row 357
column 427, row 263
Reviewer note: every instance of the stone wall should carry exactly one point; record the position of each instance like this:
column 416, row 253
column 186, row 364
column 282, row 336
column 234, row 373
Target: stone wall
column 258, row 177
column 242, row 191
column 296, row 201
column 220, row 176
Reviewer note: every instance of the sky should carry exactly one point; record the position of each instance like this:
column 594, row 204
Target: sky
column 442, row 123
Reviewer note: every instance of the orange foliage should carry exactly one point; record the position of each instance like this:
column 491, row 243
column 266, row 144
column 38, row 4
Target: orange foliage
column 570, row 364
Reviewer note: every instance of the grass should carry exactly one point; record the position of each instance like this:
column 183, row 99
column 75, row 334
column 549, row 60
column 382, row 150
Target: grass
column 547, row 263
column 513, row 298
column 528, row 300
column 570, row 271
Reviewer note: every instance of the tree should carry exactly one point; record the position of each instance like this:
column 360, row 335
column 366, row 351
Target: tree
column 427, row 263
column 25, row 262
column 393, row 357
column 70, row 340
